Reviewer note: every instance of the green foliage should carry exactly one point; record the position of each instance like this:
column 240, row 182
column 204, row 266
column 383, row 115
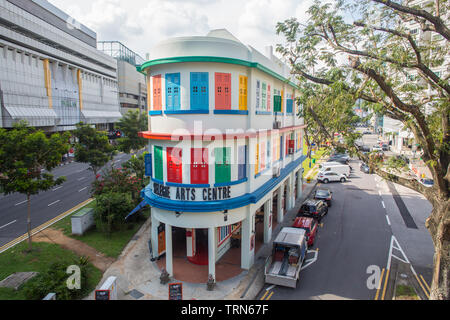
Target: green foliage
column 396, row 163
column 130, row 125
column 24, row 152
column 93, row 147
column 111, row 209
column 136, row 165
column 54, row 279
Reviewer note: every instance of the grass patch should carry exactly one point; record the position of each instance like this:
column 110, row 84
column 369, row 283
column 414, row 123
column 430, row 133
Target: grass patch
column 405, row 292
column 110, row 245
column 39, row 260
column 319, row 154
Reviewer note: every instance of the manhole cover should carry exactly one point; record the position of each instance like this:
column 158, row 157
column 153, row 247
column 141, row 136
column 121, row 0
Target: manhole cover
column 136, row 294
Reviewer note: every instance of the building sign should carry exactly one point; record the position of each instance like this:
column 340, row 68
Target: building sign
column 176, row 291
column 192, row 194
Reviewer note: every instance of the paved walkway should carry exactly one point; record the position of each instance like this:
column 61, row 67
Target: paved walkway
column 138, row 277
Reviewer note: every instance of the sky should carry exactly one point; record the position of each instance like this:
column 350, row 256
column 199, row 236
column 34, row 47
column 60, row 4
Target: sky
column 141, row 24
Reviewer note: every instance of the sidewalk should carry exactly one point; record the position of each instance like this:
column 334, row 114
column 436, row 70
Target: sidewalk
column 138, row 277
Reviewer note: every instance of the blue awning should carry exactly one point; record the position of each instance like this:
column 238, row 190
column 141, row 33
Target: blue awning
column 139, row 207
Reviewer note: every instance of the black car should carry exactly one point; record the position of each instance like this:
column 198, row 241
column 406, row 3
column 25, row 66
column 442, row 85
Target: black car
column 313, row 208
column 324, row 195
column 385, row 147
column 364, row 168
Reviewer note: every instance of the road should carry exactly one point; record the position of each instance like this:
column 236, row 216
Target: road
column 356, row 234
column 49, row 204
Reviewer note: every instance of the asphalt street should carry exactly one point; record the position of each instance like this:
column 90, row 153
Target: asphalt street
column 355, row 235
column 49, row 204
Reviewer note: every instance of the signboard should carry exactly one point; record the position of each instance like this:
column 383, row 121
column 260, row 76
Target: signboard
column 101, row 294
column 148, row 165
column 192, row 194
column 176, row 291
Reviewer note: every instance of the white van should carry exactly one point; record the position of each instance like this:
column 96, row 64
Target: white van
column 338, row 168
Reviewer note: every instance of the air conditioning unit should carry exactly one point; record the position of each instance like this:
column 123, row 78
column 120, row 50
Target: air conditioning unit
column 276, row 172
column 291, row 151
column 277, row 124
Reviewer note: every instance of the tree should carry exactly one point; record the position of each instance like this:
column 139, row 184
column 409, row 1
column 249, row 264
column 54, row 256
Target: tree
column 136, row 165
column 130, row 125
column 376, row 59
column 24, row 152
column 93, row 147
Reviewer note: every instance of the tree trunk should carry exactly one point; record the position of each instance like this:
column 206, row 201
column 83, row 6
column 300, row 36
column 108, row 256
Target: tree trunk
column 29, row 222
column 439, row 226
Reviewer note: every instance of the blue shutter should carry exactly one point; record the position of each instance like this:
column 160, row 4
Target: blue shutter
column 173, row 91
column 289, row 104
column 281, row 147
column 242, row 164
column 148, row 165
column 199, row 91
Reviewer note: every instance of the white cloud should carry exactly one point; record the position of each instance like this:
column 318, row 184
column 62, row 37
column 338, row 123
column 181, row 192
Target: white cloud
column 140, row 24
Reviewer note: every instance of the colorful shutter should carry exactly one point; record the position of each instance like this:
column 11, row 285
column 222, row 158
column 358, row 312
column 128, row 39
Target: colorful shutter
column 258, row 93
column 268, row 153
column 263, row 96
column 263, row 156
column 174, row 165
column 199, row 166
column 223, row 91
column 223, row 168
column 157, row 105
column 268, row 98
column 199, row 91
column 243, row 92
column 173, row 91
column 158, row 151
column 282, row 100
column 274, row 150
column 242, row 164
column 289, row 105
column 281, row 147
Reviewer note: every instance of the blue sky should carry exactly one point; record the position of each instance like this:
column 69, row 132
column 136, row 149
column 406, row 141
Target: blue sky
column 140, row 24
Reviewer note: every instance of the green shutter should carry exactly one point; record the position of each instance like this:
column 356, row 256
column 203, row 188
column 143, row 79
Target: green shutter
column 223, row 168
column 158, row 163
column 277, row 103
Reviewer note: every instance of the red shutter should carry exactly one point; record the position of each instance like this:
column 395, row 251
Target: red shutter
column 157, row 92
column 223, row 91
column 199, row 166
column 174, row 165
column 227, row 90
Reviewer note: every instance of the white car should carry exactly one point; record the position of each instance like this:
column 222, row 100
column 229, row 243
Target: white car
column 329, row 176
column 427, row 182
column 377, row 148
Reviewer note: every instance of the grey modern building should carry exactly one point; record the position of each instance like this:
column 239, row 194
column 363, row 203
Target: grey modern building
column 51, row 73
column 132, row 85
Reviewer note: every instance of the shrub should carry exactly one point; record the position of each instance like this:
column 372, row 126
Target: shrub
column 111, row 209
column 55, row 280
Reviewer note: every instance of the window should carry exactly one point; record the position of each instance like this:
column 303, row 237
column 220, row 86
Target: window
column 172, row 91
column 223, row 91
column 257, row 159
column 243, row 93
column 157, row 92
column 263, row 156
column 199, row 166
column 268, row 154
column 158, row 163
column 268, row 98
column 174, row 165
column 263, row 97
column 242, row 162
column 276, row 101
column 258, row 93
column 223, row 168
column 414, row 31
column 289, row 104
column 199, row 91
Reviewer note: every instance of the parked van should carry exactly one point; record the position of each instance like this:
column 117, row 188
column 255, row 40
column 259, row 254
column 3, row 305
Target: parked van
column 338, row 168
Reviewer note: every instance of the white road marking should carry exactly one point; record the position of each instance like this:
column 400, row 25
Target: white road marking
column 271, row 287
column 382, row 202
column 81, row 178
column 53, row 203
column 388, row 221
column 8, row 224
column 379, row 192
column 82, row 189
column 80, row 170
column 57, row 188
column 312, row 260
column 20, row 203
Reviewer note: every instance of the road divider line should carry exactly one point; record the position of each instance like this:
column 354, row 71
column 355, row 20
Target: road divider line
column 421, row 285
column 79, row 179
column 426, row 284
column 385, row 284
column 82, row 189
column 379, row 284
column 265, row 294
column 44, row 225
column 8, row 224
column 20, row 203
column 388, row 221
column 57, row 188
column 270, row 295
column 382, row 202
column 53, row 203
column 271, row 287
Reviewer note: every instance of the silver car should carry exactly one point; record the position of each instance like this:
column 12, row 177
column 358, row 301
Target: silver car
column 329, row 176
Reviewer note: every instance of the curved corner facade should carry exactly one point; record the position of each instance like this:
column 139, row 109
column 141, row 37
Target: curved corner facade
column 225, row 145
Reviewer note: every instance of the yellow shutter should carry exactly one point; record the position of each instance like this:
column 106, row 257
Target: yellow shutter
column 282, row 100
column 242, row 93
